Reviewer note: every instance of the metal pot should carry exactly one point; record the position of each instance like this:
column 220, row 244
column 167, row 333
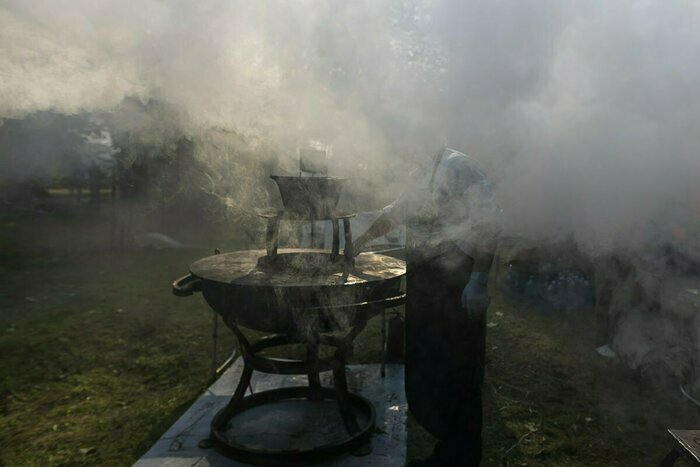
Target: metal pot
column 306, row 291
column 309, row 197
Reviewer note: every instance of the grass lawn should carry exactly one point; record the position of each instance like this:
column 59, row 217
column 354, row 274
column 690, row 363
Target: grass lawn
column 98, row 359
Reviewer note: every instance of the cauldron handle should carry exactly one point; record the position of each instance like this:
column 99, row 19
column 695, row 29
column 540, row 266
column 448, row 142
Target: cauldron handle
column 187, row 285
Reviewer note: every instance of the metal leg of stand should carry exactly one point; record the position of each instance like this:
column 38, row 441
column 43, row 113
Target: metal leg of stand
column 341, row 387
column 382, row 370
column 272, row 237
column 215, row 339
column 245, row 382
column 313, row 375
column 238, row 395
column 347, row 250
column 335, row 251
column 221, row 418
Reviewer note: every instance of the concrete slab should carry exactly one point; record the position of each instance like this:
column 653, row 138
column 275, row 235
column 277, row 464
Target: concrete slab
column 178, row 446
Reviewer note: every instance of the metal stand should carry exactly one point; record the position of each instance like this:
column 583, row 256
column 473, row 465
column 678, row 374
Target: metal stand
column 357, row 413
column 358, row 434
column 273, row 226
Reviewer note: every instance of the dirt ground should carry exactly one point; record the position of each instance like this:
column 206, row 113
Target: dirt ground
column 99, row 358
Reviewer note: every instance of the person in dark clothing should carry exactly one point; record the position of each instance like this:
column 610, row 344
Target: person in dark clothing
column 451, row 218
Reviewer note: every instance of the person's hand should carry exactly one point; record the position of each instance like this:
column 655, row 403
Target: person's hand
column 475, row 298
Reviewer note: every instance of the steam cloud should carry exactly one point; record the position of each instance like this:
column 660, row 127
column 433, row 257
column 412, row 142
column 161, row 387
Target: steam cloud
column 583, row 113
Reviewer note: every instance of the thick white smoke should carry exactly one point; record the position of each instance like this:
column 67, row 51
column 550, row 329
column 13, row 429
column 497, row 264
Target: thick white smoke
column 583, row 112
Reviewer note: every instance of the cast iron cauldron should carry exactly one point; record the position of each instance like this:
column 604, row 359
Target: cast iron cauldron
column 303, row 290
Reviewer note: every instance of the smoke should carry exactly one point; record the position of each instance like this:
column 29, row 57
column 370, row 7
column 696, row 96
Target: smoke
column 610, row 137
column 582, row 113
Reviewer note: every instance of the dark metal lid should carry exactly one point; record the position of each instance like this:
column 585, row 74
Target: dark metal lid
column 297, row 268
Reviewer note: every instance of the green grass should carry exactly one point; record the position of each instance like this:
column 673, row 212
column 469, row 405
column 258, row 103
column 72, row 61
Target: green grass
column 563, row 404
column 99, row 358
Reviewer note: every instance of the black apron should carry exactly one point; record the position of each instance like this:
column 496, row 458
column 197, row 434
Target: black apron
column 444, row 348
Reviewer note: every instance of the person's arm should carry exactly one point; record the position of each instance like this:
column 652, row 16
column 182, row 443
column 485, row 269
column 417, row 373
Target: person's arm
column 382, row 226
column 475, row 297
column 391, row 217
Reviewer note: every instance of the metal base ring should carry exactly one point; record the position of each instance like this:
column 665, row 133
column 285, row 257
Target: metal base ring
column 288, row 457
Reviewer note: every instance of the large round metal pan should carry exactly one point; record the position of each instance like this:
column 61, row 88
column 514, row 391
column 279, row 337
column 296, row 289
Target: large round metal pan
column 302, row 290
